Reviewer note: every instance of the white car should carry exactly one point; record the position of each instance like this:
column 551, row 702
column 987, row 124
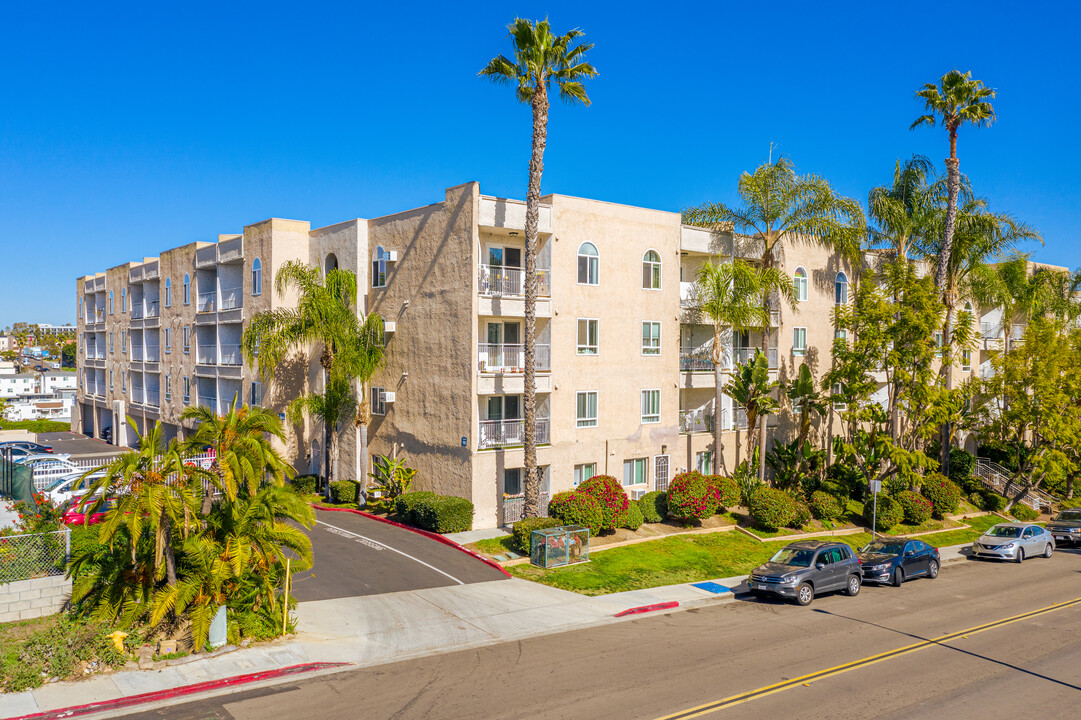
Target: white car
column 25, row 457
column 70, row 488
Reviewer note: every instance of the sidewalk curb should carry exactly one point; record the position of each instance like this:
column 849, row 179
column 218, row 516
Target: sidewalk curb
column 430, row 535
column 123, row 703
column 641, row 609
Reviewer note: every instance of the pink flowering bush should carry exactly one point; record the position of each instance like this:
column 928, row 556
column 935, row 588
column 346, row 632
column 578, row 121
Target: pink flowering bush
column 614, row 502
column 691, row 497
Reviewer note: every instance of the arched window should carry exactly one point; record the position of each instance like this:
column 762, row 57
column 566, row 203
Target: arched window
column 110, row 302
column 123, row 300
column 187, row 289
column 968, row 308
column 588, row 264
column 330, row 263
column 168, row 292
column 379, row 267
column 800, row 277
column 256, row 277
column 840, row 289
column 651, row 270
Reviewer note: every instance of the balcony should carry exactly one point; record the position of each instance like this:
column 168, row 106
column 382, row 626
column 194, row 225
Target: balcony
column 230, row 299
column 696, row 359
column 209, row 403
column 508, row 433
column 206, row 302
column 230, row 355
column 697, row 421
column 501, row 281
column 152, row 398
column 207, row 355
column 743, row 354
column 511, row 358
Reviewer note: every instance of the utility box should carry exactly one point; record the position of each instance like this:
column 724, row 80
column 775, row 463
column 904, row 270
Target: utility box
column 560, row 546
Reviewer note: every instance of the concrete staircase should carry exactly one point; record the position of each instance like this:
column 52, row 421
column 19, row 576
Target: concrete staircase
column 997, row 478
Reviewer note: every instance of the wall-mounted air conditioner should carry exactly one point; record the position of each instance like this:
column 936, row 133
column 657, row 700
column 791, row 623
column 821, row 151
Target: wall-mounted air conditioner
column 388, row 396
column 389, row 326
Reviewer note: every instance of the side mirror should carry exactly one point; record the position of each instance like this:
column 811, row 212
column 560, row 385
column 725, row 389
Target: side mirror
column 819, row 566
column 909, row 553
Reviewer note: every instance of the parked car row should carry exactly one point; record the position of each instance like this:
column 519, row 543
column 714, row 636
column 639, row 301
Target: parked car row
column 802, row 570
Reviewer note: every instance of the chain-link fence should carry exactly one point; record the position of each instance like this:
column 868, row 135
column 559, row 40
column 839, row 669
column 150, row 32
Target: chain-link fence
column 23, row 557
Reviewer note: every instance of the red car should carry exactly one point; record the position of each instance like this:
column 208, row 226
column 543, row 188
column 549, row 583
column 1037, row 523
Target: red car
column 73, row 516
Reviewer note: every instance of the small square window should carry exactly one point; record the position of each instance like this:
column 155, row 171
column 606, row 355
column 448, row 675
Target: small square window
column 634, row 471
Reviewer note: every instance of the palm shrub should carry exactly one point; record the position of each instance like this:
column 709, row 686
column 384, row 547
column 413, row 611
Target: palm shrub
column 577, row 508
column 654, row 506
column 943, row 494
column 916, row 508
column 726, row 490
column 611, row 497
column 634, row 517
column 772, row 509
column 887, row 515
column 690, row 497
column 825, row 506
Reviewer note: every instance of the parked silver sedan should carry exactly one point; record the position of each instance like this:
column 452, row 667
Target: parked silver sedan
column 1014, row 541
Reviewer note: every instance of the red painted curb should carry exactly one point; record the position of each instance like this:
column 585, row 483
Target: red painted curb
column 183, row 690
column 648, row 608
column 434, row 536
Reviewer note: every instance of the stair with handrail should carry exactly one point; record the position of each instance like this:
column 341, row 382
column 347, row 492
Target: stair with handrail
column 997, row 478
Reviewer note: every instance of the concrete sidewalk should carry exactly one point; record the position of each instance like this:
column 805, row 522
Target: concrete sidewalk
column 378, row 629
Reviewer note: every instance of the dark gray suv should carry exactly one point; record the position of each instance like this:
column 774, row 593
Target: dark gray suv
column 803, row 569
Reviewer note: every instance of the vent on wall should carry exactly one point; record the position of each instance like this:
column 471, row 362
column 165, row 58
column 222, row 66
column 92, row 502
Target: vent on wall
column 390, row 326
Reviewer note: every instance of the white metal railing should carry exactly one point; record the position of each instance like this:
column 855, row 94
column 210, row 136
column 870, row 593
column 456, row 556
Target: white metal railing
column 743, row 354
column 230, row 355
column 209, row 402
column 230, row 298
column 151, row 309
column 496, row 357
column 507, row 433
column 998, row 479
column 696, row 358
column 136, row 353
column 696, row 421
column 151, row 353
column 989, row 331
column 775, row 318
column 136, row 311
column 207, row 355
column 205, row 302
column 499, row 280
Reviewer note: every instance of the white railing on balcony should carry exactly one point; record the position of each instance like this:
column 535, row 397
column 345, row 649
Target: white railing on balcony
column 205, row 302
column 694, row 359
column 150, row 309
column 1017, row 332
column 499, row 281
column 775, row 318
column 508, row 433
column 230, row 355
column 989, row 331
column 209, row 402
column 137, row 394
column 695, row 421
column 743, row 354
column 493, row 357
column 151, row 353
column 230, row 298
column 136, row 353
column 136, row 310
column 207, row 355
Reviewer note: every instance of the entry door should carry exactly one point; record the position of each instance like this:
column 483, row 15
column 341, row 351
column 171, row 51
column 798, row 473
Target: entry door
column 660, row 472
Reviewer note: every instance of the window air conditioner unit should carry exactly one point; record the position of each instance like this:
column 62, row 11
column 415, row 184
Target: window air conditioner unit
column 389, row 326
column 392, row 256
column 388, row 396
column 637, row 494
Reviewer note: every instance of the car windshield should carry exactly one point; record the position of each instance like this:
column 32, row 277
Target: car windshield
column 794, row 557
column 885, row 547
column 1074, row 515
column 56, row 484
column 1004, row 531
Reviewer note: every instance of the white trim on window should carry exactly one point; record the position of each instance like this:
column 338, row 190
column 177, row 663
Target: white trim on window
column 589, row 264
column 799, row 341
column 586, row 408
column 651, row 270
column 651, row 406
column 583, row 472
column 651, row 337
column 635, row 472
column 840, row 289
column 256, row 277
column 589, row 336
column 379, row 402
column 799, row 277
column 379, row 267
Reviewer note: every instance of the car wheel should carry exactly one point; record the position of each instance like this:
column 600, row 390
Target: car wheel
column 805, row 594
column 853, row 588
column 1020, row 555
column 932, row 570
column 1047, row 550
column 898, row 577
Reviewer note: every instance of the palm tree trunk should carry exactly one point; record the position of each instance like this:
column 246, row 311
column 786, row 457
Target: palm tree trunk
column 953, row 186
column 532, row 220
column 718, row 360
column 947, row 371
column 170, row 556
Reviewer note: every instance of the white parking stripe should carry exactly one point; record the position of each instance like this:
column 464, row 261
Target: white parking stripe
column 341, row 531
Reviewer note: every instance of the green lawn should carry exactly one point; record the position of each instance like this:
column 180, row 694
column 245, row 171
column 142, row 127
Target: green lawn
column 495, row 546
column 691, row 558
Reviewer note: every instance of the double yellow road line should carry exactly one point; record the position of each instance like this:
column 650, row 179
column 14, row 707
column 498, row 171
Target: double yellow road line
column 856, row 664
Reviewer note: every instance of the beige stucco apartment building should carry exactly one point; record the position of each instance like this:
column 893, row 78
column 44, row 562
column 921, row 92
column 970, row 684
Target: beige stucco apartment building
column 625, row 385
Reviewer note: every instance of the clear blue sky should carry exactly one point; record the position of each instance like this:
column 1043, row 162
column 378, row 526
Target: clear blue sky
column 126, row 129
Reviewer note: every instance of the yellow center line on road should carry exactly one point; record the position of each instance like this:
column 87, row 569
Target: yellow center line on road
column 855, row 664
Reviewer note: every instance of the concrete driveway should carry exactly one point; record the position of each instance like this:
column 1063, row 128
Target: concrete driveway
column 355, row 555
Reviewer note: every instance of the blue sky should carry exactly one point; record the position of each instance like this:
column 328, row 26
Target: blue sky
column 126, row 129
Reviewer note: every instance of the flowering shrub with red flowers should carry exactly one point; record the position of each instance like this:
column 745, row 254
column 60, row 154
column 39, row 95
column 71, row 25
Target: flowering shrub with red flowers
column 916, row 507
column 691, row 497
column 576, row 508
column 727, row 490
column 613, row 500
column 46, row 517
column 943, row 494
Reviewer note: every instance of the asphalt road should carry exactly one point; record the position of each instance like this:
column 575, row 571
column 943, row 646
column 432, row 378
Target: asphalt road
column 355, row 555
column 668, row 665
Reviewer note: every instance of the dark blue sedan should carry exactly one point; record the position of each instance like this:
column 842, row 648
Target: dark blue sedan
column 895, row 560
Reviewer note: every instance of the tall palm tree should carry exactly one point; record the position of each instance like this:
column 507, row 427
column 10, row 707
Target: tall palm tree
column 359, row 358
column 540, row 58
column 902, row 213
column 327, row 406
column 956, row 100
column 730, row 295
column 777, row 204
column 325, row 316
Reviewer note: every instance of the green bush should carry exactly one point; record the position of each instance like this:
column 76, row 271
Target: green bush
column 889, row 512
column 943, row 494
column 824, row 506
column 57, row 648
column 654, row 506
column 305, row 484
column 802, row 515
column 35, row 426
column 894, row 486
column 634, row 517
column 443, row 514
column 848, row 479
column 344, row 491
column 405, row 504
column 726, row 490
column 576, row 508
column 992, row 501
column 690, row 497
column 1023, row 512
column 772, row 509
column 522, row 532
column 915, row 507
column 613, row 500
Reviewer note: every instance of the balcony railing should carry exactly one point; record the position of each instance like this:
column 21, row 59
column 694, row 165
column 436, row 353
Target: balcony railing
column 508, row 433
column 743, row 354
column 205, row 302
column 207, row 355
column 152, row 398
column 209, row 403
column 499, row 281
column 696, row 421
column 230, row 298
column 151, row 309
column 151, row 353
column 136, row 353
column 230, row 355
column 502, row 357
column 694, row 359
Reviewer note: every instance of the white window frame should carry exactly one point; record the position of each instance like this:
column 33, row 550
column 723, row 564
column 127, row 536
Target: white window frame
column 654, row 268
column 586, row 421
column 798, row 333
column 187, row 289
column 187, row 339
column 966, row 360
column 168, row 292
column 651, row 397
column 580, row 472
column 651, row 349
column 255, row 394
column 587, row 349
column 700, row 465
column 836, row 390
column 840, row 287
column 187, row 390
column 939, row 348
column 593, row 265
column 632, row 464
column 168, row 340
column 256, row 277
column 379, row 400
column 799, row 278
column 379, row 267
column 505, row 490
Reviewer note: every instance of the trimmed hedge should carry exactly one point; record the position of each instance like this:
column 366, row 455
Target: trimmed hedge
column 522, row 532
column 726, row 490
column 634, row 517
column 916, row 508
column 802, row 515
column 772, row 509
column 443, row 514
column 690, row 497
column 654, row 506
column 406, row 502
column 1023, row 512
column 344, row 491
column 306, row 483
column 35, row 426
column 613, row 500
column 577, row 508
column 943, row 494
column 992, row 501
column 888, row 515
column 824, row 506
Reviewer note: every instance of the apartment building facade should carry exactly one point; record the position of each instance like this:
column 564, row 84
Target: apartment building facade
column 625, row 380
